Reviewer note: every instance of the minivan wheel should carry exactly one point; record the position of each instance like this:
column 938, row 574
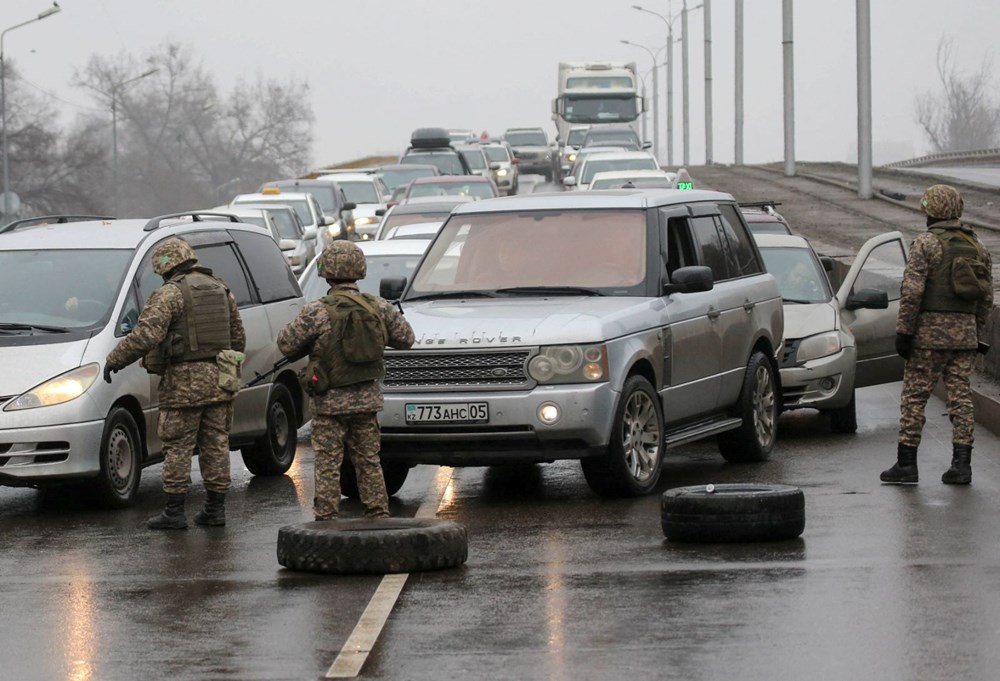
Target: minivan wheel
column 394, row 475
column 758, row 407
column 121, row 460
column 845, row 419
column 273, row 453
column 631, row 467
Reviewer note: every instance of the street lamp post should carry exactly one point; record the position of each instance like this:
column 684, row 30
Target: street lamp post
column 3, row 101
column 115, row 89
column 656, row 96
column 686, row 107
column 667, row 19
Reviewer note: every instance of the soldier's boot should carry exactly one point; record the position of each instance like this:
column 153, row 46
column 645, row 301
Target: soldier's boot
column 172, row 516
column 214, row 512
column 904, row 471
column 960, row 472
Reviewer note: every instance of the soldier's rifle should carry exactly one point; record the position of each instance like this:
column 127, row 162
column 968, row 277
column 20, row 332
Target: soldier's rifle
column 278, row 366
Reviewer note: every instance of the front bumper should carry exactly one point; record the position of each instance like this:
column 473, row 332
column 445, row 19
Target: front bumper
column 824, row 383
column 514, row 433
column 32, row 455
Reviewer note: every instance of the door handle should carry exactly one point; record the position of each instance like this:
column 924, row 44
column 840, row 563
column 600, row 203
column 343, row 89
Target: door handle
column 713, row 314
column 749, row 306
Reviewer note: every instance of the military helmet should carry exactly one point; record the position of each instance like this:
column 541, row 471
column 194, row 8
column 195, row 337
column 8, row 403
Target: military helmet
column 942, row 201
column 342, row 260
column 172, row 253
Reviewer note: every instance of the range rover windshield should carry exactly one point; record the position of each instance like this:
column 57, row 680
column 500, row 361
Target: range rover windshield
column 52, row 291
column 592, row 252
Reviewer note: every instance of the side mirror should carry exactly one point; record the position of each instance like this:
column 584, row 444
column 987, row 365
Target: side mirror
column 380, row 212
column 647, row 145
column 868, row 298
column 287, row 245
column 495, row 165
column 515, row 160
column 693, row 279
column 310, row 232
column 391, row 288
column 569, row 181
column 348, row 206
column 323, row 221
column 827, row 263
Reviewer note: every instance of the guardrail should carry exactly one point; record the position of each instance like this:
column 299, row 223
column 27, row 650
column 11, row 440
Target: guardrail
column 947, row 157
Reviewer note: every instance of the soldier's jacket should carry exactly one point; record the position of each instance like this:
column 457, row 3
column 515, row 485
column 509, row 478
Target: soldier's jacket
column 938, row 330
column 312, row 326
column 188, row 384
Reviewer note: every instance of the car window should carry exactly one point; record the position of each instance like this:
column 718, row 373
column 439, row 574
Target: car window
column 497, row 154
column 680, row 250
column 129, row 315
column 475, row 159
column 883, row 270
column 596, row 165
column 482, row 190
column 709, row 246
column 360, row 192
column 326, row 197
column 288, row 226
column 526, row 138
column 799, row 275
column 576, row 137
column 447, row 163
column 745, row 260
column 397, row 219
column 268, row 268
column 397, row 177
column 222, row 260
column 300, row 206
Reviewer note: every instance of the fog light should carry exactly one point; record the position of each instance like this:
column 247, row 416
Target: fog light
column 827, row 384
column 548, row 413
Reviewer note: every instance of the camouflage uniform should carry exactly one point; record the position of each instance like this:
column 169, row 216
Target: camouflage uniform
column 194, row 411
column 347, row 414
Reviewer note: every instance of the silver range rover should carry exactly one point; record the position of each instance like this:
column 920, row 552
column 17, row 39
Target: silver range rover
column 602, row 326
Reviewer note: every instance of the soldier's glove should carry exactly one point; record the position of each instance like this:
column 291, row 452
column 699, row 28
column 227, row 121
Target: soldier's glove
column 982, row 348
column 904, row 345
column 107, row 373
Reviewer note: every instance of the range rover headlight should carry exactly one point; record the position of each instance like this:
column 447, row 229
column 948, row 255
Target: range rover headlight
column 820, row 345
column 570, row 364
column 58, row 390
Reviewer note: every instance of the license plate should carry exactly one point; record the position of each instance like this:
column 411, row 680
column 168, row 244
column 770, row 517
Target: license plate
column 460, row 412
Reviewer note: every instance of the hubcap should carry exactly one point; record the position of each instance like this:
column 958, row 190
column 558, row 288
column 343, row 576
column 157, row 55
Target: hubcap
column 763, row 406
column 120, row 459
column 640, row 436
column 279, row 425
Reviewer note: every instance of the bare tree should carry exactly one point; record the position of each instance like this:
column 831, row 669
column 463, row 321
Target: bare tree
column 963, row 116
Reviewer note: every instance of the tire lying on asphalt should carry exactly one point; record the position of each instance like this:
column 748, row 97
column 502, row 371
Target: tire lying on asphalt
column 733, row 513
column 362, row 546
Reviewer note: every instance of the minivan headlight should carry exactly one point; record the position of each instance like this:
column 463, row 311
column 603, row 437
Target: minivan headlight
column 820, row 345
column 58, row 390
column 570, row 364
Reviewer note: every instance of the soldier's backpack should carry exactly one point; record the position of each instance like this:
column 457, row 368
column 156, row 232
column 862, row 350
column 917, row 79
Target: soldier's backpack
column 358, row 345
column 970, row 276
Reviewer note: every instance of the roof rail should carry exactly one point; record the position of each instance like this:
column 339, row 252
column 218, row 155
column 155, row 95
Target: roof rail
column 759, row 204
column 50, row 220
column 154, row 223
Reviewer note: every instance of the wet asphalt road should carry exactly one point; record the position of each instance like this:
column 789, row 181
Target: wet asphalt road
column 885, row 583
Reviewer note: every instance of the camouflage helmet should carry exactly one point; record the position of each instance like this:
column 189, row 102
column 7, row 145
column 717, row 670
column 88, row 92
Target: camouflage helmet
column 342, row 260
column 942, row 201
column 172, row 253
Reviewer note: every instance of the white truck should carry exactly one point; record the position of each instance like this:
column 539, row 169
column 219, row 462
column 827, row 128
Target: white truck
column 593, row 93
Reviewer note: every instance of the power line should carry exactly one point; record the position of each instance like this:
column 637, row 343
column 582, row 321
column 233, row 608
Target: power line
column 55, row 96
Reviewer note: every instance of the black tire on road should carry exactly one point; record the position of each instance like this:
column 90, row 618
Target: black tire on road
column 121, row 460
column 394, row 475
column 845, row 419
column 758, row 407
column 733, row 513
column 631, row 467
column 360, row 546
column 274, row 452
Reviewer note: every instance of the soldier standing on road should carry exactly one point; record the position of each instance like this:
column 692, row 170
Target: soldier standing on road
column 345, row 334
column 190, row 333
column 941, row 325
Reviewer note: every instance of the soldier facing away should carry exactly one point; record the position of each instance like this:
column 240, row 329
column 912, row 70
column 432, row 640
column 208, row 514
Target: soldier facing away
column 190, row 333
column 946, row 298
column 345, row 334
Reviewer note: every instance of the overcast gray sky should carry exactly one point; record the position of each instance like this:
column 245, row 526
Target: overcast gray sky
column 379, row 68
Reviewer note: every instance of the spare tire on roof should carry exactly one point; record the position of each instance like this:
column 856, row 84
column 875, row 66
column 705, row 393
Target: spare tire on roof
column 365, row 546
column 427, row 138
column 733, row 513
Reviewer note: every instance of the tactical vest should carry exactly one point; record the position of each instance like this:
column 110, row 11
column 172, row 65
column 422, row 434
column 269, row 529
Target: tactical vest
column 939, row 296
column 356, row 353
column 202, row 332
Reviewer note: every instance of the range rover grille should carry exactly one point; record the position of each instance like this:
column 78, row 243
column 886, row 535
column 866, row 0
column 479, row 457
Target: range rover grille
column 459, row 369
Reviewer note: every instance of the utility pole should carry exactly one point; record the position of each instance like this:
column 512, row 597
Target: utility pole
column 738, row 155
column 685, row 108
column 708, row 81
column 789, row 72
column 670, row 91
column 864, row 40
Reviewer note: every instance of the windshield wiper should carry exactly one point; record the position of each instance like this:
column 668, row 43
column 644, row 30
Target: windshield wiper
column 453, row 294
column 797, row 301
column 541, row 290
column 10, row 326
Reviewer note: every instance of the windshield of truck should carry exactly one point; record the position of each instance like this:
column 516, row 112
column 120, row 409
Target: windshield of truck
column 600, row 253
column 527, row 138
column 600, row 109
column 398, row 177
column 475, row 158
column 497, row 154
column 360, row 192
column 446, row 162
column 48, row 291
column 599, row 82
column 800, row 277
column 592, row 166
column 576, row 137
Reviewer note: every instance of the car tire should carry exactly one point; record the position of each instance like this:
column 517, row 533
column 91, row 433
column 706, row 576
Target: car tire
column 121, row 460
column 758, row 408
column 363, row 546
column 274, row 452
column 631, row 467
column 394, row 475
column 732, row 513
column 845, row 419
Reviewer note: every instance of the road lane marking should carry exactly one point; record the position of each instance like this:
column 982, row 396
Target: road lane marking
column 362, row 640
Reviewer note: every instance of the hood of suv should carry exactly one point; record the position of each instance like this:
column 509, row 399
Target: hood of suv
column 26, row 366
column 519, row 321
column 804, row 320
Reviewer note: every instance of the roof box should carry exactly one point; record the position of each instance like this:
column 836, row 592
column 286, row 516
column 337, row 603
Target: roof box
column 425, row 138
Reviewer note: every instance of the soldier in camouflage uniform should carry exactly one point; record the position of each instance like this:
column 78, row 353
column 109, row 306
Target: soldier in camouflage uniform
column 344, row 415
column 938, row 334
column 195, row 410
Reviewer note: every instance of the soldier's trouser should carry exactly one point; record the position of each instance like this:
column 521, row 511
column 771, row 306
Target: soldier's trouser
column 361, row 433
column 921, row 374
column 182, row 430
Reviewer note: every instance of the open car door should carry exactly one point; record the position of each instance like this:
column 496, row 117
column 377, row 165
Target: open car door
column 878, row 268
